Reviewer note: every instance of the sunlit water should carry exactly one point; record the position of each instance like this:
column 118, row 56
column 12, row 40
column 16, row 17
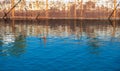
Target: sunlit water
column 60, row 45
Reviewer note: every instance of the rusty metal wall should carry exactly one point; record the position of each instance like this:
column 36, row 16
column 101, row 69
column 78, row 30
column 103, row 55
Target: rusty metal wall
column 91, row 9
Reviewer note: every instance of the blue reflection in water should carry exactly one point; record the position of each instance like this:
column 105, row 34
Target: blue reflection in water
column 56, row 52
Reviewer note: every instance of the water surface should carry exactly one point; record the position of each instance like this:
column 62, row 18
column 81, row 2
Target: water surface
column 59, row 45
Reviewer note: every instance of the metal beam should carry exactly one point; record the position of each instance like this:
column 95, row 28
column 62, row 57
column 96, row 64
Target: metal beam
column 37, row 4
column 75, row 10
column 22, row 4
column 46, row 8
column 13, row 10
column 114, row 9
column 81, row 5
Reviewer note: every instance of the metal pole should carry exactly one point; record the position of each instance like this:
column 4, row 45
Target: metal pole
column 81, row 4
column 37, row 4
column 75, row 10
column 68, row 10
column 114, row 9
column 46, row 8
column 13, row 10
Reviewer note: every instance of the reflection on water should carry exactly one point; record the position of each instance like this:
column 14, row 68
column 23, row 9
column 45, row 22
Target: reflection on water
column 60, row 39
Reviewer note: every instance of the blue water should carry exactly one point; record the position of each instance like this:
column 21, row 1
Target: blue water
column 62, row 51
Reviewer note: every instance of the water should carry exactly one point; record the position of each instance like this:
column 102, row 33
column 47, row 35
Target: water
column 59, row 45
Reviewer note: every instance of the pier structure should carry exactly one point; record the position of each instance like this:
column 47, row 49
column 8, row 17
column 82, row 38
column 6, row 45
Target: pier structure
column 52, row 9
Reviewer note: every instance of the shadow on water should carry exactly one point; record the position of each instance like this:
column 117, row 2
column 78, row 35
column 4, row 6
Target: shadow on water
column 13, row 33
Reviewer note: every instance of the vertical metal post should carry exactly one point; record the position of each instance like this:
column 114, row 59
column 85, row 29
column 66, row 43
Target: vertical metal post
column 46, row 8
column 13, row 10
column 37, row 4
column 68, row 10
column 114, row 9
column 23, row 3
column 81, row 5
column 75, row 10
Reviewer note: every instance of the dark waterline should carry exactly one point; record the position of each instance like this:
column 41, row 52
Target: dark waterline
column 59, row 45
